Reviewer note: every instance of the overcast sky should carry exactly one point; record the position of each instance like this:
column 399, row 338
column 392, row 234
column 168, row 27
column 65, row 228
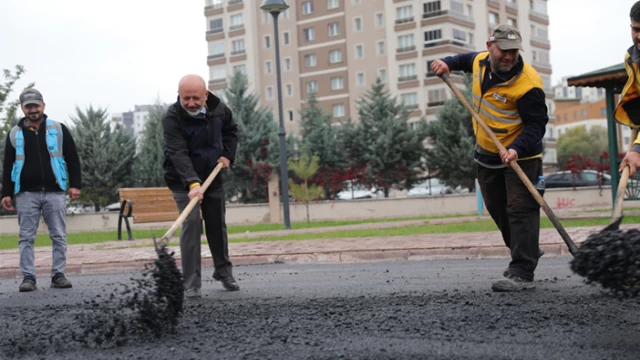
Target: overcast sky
column 118, row 53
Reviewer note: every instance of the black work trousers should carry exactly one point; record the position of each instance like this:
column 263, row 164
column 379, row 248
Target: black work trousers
column 515, row 211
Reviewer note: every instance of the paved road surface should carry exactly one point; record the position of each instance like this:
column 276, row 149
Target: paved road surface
column 392, row 310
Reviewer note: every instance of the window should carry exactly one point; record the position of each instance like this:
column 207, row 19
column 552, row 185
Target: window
column 267, row 42
column 456, row 6
column 241, row 68
column 287, row 64
column 359, row 52
column 493, row 19
column 332, row 4
column 382, row 74
column 584, row 114
column 237, row 21
column 285, row 38
column 335, row 56
column 307, row 7
column 360, row 79
column 512, row 22
column 218, row 73
column 404, row 13
column 459, row 35
column 338, row 110
column 337, row 83
column 603, row 111
column 575, row 115
column 379, row 20
column 357, row 24
column 406, row 42
column 334, row 29
column 310, row 60
column 289, row 89
column 267, row 67
column 410, row 99
column 215, row 25
column 237, row 47
column 269, row 92
column 407, row 71
column 309, row 34
column 432, row 35
column 266, row 17
column 312, row 86
column 381, row 48
column 436, row 97
column 290, row 114
column 216, row 48
column 432, row 8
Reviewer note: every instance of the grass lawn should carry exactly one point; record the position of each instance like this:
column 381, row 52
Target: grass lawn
column 10, row 242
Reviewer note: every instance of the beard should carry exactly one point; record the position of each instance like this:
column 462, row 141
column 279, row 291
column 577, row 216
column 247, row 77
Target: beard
column 501, row 68
column 192, row 113
column 34, row 116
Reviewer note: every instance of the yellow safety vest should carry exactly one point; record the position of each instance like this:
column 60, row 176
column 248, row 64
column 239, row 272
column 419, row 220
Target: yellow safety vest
column 627, row 111
column 497, row 106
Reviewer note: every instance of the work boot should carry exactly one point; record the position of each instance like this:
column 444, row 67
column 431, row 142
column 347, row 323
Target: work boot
column 540, row 253
column 28, row 284
column 512, row 283
column 193, row 293
column 226, row 278
column 58, row 281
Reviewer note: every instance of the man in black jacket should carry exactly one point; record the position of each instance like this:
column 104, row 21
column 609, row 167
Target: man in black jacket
column 199, row 133
column 37, row 155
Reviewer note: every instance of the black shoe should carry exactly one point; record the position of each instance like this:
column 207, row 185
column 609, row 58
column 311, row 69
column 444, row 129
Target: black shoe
column 28, row 284
column 227, row 279
column 58, row 281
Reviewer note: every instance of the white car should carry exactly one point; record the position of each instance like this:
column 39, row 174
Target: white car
column 355, row 192
column 429, row 187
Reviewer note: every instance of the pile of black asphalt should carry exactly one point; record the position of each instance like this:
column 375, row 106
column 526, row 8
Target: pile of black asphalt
column 149, row 306
column 385, row 310
column 612, row 259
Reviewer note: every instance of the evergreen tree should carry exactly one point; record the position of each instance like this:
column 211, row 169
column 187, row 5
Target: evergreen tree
column 453, row 142
column 305, row 170
column 257, row 152
column 319, row 138
column 382, row 146
column 106, row 157
column 148, row 167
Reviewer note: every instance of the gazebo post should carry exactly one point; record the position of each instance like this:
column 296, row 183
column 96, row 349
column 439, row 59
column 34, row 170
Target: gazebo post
column 613, row 142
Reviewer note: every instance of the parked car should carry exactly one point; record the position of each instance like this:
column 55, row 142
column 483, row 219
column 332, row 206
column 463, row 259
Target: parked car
column 565, row 179
column 429, row 187
column 355, row 191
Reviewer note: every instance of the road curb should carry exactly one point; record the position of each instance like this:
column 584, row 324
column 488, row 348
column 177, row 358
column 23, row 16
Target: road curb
column 318, row 257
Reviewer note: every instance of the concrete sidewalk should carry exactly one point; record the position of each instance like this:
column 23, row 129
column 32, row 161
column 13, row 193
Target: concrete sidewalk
column 112, row 257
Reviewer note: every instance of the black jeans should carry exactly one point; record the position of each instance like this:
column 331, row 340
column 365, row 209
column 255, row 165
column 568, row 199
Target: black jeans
column 515, row 211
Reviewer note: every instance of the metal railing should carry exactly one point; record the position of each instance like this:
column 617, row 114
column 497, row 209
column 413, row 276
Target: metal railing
column 407, row 78
column 215, row 31
column 238, row 52
column 446, row 12
column 236, row 27
column 405, row 49
column 215, row 56
column 404, row 20
column 234, row 2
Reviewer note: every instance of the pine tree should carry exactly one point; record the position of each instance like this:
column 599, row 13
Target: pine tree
column 453, row 143
column 148, row 167
column 382, row 146
column 106, row 156
column 319, row 138
column 257, row 152
column 305, row 170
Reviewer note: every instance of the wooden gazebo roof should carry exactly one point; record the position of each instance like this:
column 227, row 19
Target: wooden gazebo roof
column 613, row 77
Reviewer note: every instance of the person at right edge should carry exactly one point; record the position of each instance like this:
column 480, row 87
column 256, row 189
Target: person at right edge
column 199, row 132
column 508, row 95
column 627, row 111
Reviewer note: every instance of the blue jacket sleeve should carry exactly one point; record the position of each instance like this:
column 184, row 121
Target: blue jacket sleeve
column 533, row 112
column 461, row 62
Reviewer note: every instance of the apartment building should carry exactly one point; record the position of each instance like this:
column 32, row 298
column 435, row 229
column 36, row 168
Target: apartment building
column 338, row 48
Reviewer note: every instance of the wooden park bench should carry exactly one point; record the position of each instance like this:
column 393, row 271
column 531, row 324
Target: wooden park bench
column 145, row 205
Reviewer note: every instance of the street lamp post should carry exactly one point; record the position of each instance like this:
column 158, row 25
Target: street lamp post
column 275, row 7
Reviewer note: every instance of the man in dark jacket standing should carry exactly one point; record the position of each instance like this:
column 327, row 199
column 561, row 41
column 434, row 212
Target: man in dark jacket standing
column 199, row 133
column 38, row 153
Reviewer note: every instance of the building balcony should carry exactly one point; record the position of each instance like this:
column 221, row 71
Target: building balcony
column 540, row 64
column 453, row 73
column 494, row 4
column 217, row 81
column 541, row 39
column 443, row 42
column 213, row 9
column 234, row 2
column 405, row 49
column 215, row 31
column 435, row 104
column 215, row 56
column 512, row 8
column 445, row 16
column 411, row 106
column 236, row 27
column 539, row 17
column 238, row 52
column 407, row 78
column 404, row 20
